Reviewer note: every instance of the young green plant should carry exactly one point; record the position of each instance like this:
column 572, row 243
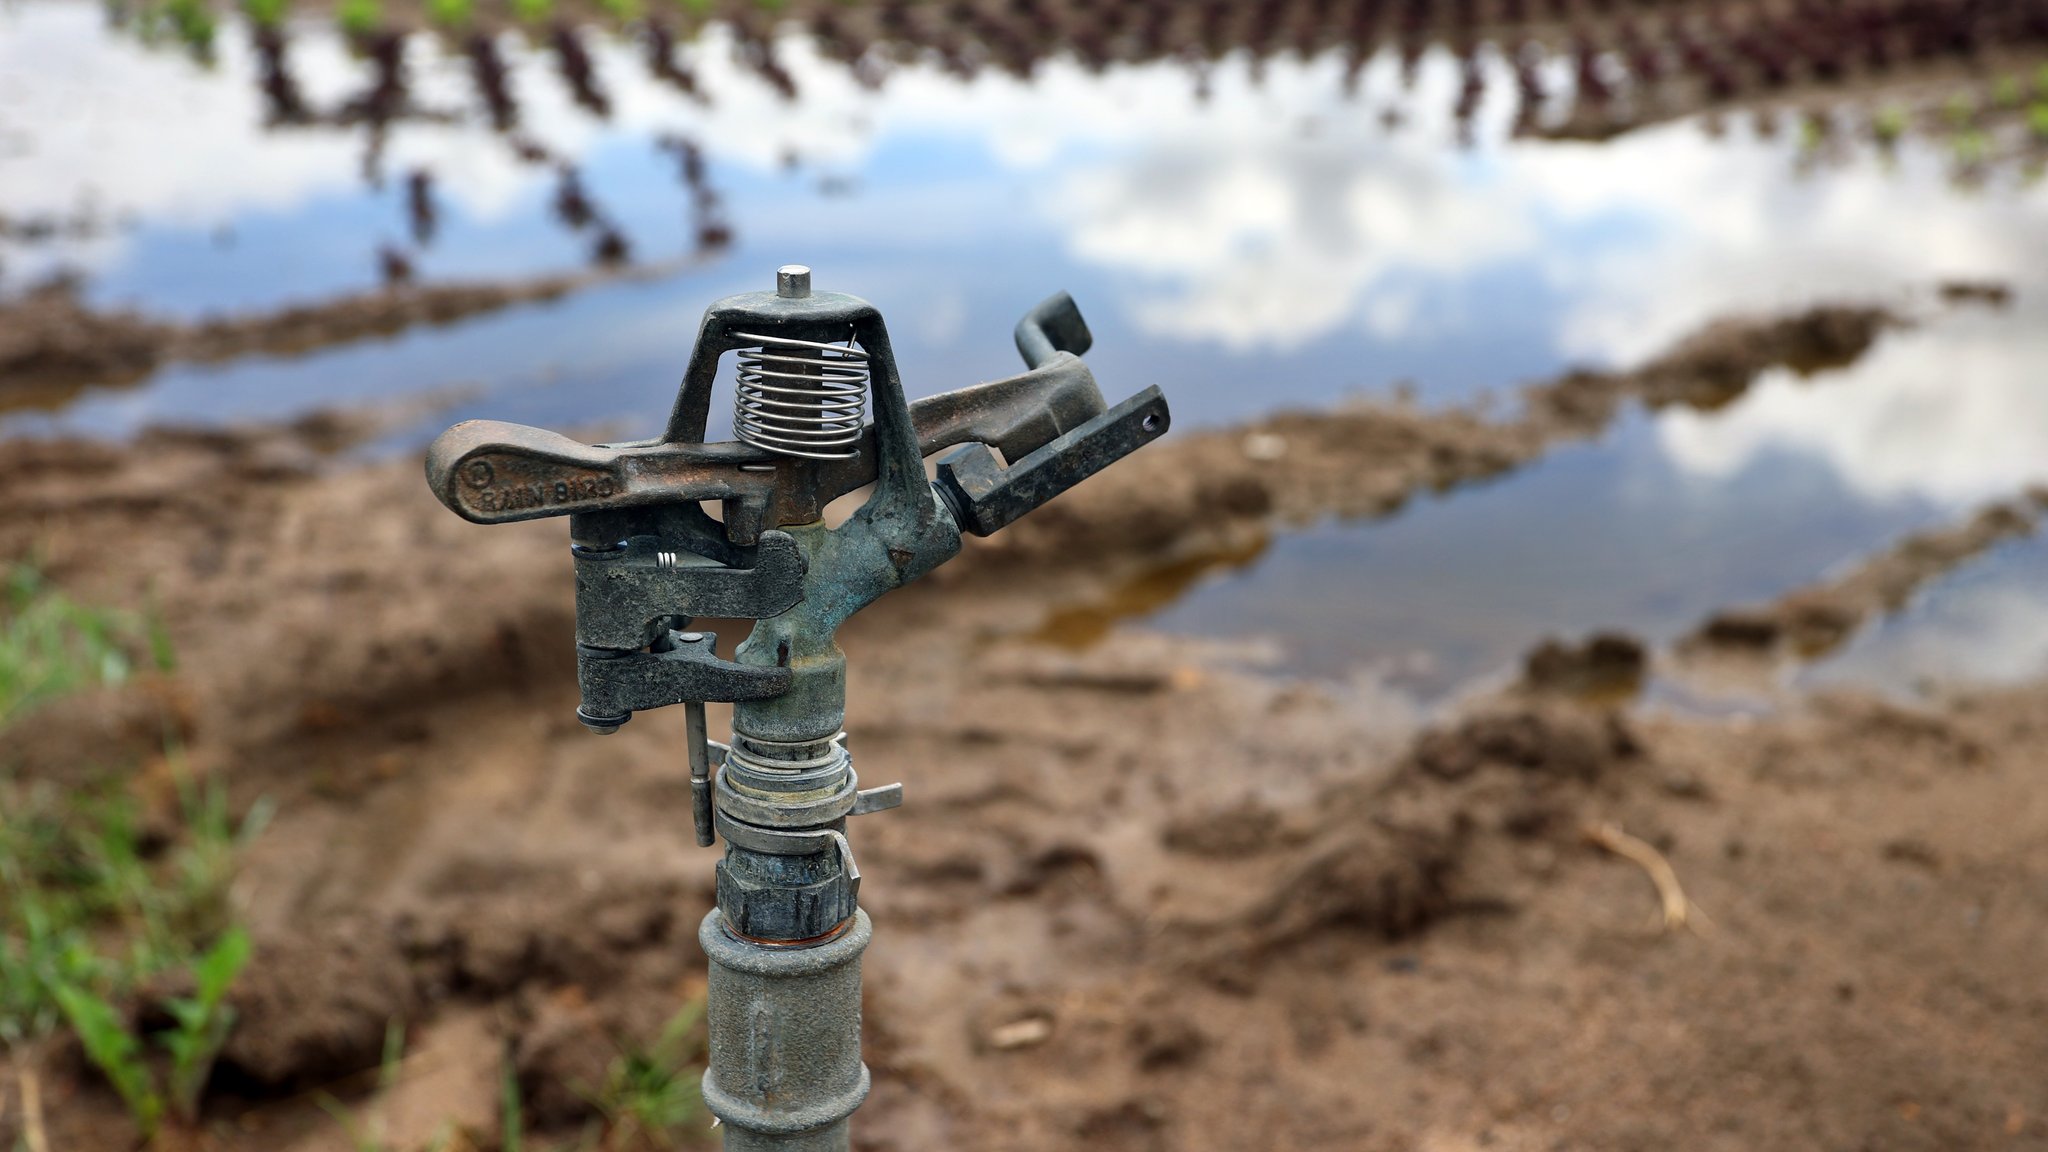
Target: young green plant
column 90, row 917
column 51, row 645
column 359, row 17
column 265, row 13
column 200, row 1025
column 650, row 1094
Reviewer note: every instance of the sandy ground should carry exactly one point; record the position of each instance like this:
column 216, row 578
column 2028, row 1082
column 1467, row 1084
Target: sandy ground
column 1142, row 895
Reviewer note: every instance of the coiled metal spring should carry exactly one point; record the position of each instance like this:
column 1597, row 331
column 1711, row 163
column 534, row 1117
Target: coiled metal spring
column 800, row 397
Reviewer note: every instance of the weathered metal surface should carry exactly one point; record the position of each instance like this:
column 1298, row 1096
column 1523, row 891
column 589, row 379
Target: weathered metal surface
column 1015, row 415
column 1052, row 327
column 785, row 892
column 491, row 472
column 698, row 747
column 784, row 1028
column 985, row 497
column 624, row 593
column 786, row 938
column 617, row 684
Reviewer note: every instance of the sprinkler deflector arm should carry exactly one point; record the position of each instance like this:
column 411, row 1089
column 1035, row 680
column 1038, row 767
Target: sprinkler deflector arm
column 492, row 472
column 786, row 938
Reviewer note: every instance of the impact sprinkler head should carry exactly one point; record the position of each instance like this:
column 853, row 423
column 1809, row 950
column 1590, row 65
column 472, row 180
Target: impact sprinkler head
column 818, row 412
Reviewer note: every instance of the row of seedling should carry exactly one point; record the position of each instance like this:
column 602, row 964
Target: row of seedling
column 1773, row 44
column 1017, row 33
column 1985, row 129
column 386, row 98
column 1721, row 48
column 1636, row 62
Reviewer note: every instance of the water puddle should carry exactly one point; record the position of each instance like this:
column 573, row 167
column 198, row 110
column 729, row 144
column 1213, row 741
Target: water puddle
column 1985, row 624
column 1672, row 517
column 1251, row 234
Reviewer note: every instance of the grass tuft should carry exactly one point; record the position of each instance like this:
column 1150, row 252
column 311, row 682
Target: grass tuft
column 91, row 917
column 360, row 17
column 651, row 1094
column 51, row 645
column 451, row 14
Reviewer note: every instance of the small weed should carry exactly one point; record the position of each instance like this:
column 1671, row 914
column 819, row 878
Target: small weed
column 1813, row 133
column 192, row 21
column 115, row 1050
column 1889, row 125
column 2006, row 92
column 511, row 1135
column 1971, row 147
column 200, row 1026
column 90, row 917
column 51, row 645
column 532, row 11
column 201, row 1021
column 1961, row 110
column 2037, row 119
column 265, row 13
column 451, row 13
column 649, row 1095
column 360, row 17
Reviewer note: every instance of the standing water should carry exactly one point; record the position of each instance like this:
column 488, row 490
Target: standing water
column 1256, row 231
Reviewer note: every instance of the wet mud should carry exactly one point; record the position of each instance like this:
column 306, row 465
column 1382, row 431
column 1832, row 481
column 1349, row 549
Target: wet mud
column 1214, row 497
column 54, row 346
column 1813, row 621
column 1142, row 895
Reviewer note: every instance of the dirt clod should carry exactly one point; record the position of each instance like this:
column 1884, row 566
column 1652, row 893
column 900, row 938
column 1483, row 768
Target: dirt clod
column 1167, row 1041
column 1607, row 664
column 1551, row 741
column 313, row 1006
column 563, row 1056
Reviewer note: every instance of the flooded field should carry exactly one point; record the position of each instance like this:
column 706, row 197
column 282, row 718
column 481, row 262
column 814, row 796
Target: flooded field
column 1254, row 233
column 1513, row 348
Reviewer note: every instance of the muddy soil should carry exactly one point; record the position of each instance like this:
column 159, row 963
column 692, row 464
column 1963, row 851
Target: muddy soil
column 1211, row 497
column 1813, row 621
column 54, row 346
column 1141, row 895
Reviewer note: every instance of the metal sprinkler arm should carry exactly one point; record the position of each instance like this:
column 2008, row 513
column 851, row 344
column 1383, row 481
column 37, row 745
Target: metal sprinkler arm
column 786, row 937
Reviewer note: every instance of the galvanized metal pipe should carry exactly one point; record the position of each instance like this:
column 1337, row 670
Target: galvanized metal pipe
column 784, row 1024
